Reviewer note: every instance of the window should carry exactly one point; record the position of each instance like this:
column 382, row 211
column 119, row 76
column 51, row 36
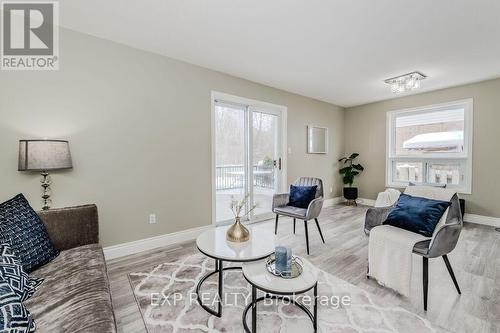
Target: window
column 431, row 145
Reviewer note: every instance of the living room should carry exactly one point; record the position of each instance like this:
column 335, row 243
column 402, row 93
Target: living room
column 159, row 144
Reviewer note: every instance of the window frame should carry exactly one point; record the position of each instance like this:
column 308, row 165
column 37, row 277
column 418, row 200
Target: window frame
column 464, row 158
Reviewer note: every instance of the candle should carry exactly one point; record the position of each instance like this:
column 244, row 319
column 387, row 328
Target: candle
column 288, row 258
column 281, row 259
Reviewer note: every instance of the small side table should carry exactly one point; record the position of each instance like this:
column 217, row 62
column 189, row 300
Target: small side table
column 213, row 244
column 278, row 288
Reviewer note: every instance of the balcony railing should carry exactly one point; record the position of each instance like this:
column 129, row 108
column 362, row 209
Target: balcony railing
column 436, row 174
column 233, row 176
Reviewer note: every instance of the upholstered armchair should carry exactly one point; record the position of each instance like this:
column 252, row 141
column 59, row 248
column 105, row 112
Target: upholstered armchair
column 443, row 240
column 280, row 207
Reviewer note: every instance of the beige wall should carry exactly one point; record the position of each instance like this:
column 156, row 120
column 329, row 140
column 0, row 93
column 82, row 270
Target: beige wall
column 139, row 131
column 365, row 133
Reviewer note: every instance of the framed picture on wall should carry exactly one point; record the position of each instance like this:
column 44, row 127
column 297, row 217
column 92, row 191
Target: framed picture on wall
column 317, row 140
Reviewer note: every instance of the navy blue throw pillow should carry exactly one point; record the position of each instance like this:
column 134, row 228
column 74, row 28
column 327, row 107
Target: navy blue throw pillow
column 21, row 227
column 14, row 317
column 420, row 215
column 301, row 196
column 12, row 271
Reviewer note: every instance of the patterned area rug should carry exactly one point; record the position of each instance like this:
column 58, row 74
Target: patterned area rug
column 167, row 300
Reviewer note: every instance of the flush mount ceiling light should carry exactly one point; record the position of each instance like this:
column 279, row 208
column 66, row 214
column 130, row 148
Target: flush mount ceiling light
column 406, row 82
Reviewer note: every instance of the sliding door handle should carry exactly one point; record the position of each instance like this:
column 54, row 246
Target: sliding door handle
column 277, row 163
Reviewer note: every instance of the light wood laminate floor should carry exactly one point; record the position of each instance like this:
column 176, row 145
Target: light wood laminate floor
column 476, row 262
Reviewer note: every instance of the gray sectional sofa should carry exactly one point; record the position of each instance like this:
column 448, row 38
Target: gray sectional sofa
column 75, row 296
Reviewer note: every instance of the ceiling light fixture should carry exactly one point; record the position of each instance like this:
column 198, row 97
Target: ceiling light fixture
column 406, row 82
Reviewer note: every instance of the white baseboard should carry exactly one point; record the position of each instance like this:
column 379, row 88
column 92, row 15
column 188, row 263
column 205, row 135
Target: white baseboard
column 125, row 249
column 484, row 220
column 337, row 200
column 332, row 201
column 366, row 202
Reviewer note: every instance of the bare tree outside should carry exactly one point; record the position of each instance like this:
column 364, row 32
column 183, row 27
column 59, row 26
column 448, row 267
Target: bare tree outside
column 230, row 156
column 230, row 137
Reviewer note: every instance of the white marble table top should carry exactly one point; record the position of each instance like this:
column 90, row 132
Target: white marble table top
column 256, row 273
column 213, row 243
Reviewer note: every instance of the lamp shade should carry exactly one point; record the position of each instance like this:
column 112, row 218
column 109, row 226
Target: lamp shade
column 44, row 155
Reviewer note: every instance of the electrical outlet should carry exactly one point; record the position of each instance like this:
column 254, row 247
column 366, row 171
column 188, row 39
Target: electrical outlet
column 152, row 218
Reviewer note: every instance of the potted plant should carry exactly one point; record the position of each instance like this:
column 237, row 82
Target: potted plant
column 348, row 172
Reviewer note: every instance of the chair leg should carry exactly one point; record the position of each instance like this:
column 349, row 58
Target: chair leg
column 450, row 270
column 307, row 237
column 294, row 220
column 276, row 225
column 319, row 229
column 425, row 276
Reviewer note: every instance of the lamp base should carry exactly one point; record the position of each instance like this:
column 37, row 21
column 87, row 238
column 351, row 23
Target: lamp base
column 45, row 190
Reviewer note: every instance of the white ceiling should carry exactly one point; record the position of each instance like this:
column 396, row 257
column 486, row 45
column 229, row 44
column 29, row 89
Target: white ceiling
column 338, row 51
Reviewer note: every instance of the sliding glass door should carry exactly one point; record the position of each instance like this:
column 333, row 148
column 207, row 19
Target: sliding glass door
column 266, row 161
column 230, row 157
column 247, row 158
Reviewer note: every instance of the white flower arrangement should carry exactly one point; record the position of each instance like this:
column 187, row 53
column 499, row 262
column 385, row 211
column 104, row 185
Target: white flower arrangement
column 237, row 206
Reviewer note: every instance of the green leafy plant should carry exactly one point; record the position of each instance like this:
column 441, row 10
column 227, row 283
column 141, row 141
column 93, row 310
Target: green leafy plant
column 268, row 162
column 350, row 170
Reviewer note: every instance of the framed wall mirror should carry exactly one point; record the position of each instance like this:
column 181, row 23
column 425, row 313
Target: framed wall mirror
column 317, row 140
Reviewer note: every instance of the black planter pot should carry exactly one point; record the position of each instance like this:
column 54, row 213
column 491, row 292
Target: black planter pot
column 351, row 193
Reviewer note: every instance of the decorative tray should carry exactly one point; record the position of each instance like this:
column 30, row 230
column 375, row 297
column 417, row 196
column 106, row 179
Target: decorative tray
column 295, row 270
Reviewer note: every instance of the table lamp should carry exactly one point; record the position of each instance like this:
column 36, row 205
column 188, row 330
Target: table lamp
column 44, row 156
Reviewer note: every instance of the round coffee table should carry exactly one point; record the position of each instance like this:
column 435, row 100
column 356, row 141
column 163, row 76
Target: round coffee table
column 213, row 244
column 278, row 288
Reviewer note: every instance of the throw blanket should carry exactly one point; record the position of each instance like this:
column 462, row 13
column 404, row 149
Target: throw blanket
column 390, row 257
column 390, row 249
column 387, row 198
